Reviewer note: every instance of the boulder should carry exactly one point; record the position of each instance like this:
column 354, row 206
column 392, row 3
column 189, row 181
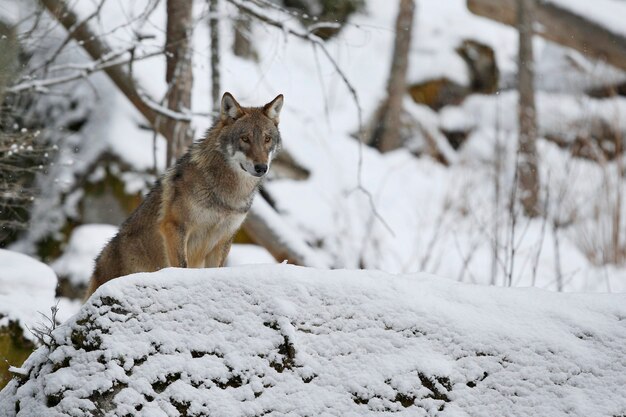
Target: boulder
column 311, row 12
column 286, row 340
column 482, row 77
column 437, row 93
column 481, row 62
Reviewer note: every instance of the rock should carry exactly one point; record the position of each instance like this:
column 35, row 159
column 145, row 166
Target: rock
column 482, row 74
column 285, row 340
column 608, row 91
column 332, row 11
column 437, row 93
column 594, row 139
column 454, row 124
column 483, row 69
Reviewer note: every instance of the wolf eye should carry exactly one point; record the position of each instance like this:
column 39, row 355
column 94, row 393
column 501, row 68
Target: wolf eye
column 245, row 139
column 268, row 139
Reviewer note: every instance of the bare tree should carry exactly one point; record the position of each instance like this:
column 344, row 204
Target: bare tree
column 104, row 59
column 528, row 174
column 386, row 135
column 242, row 43
column 8, row 57
column 215, row 54
column 179, row 76
column 113, row 64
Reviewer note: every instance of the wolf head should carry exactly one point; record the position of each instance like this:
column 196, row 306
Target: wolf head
column 250, row 138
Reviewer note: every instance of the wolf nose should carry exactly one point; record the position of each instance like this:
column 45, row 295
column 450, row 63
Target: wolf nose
column 260, row 168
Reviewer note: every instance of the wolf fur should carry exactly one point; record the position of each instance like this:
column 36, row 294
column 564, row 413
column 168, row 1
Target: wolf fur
column 191, row 214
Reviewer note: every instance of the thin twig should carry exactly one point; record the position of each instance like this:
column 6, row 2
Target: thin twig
column 42, row 85
column 543, row 231
column 317, row 41
column 69, row 37
column 512, row 222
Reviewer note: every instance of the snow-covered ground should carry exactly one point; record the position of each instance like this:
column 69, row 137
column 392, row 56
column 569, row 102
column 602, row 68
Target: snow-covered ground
column 443, row 220
column 77, row 262
column 27, row 293
column 26, row 290
column 284, row 340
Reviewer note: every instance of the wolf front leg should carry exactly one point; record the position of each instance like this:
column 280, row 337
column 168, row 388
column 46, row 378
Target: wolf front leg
column 217, row 256
column 175, row 240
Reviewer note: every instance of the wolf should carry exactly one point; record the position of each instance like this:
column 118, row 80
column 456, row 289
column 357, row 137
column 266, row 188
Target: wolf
column 191, row 214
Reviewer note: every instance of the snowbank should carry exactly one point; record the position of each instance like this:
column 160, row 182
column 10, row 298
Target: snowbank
column 26, row 289
column 285, row 340
column 77, row 262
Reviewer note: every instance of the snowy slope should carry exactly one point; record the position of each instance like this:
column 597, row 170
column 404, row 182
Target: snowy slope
column 445, row 220
column 284, row 340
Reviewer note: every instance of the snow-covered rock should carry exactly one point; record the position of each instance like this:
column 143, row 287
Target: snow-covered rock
column 278, row 340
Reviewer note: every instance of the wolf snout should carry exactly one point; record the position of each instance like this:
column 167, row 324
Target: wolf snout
column 260, row 169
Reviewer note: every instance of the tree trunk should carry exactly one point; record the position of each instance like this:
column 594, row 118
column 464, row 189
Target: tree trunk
column 564, row 27
column 215, row 56
column 242, row 44
column 9, row 56
column 179, row 76
column 528, row 174
column 386, row 135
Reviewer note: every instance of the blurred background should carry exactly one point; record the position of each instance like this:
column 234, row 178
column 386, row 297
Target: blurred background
column 478, row 140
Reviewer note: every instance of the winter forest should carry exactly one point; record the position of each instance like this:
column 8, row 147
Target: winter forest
column 439, row 229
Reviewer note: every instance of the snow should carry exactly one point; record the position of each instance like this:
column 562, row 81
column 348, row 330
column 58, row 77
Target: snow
column 286, row 340
column 445, row 220
column 9, row 12
column 26, row 289
column 243, row 254
column 19, row 371
column 77, row 262
column 288, row 235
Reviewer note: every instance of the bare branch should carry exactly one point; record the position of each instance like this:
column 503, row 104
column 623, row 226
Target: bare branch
column 81, row 71
column 258, row 13
column 70, row 34
column 97, row 48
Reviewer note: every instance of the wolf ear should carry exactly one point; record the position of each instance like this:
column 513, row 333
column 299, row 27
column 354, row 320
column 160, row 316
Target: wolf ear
column 230, row 108
column 272, row 109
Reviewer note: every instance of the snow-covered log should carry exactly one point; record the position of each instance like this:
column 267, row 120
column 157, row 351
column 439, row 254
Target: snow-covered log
column 290, row 341
column 595, row 29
